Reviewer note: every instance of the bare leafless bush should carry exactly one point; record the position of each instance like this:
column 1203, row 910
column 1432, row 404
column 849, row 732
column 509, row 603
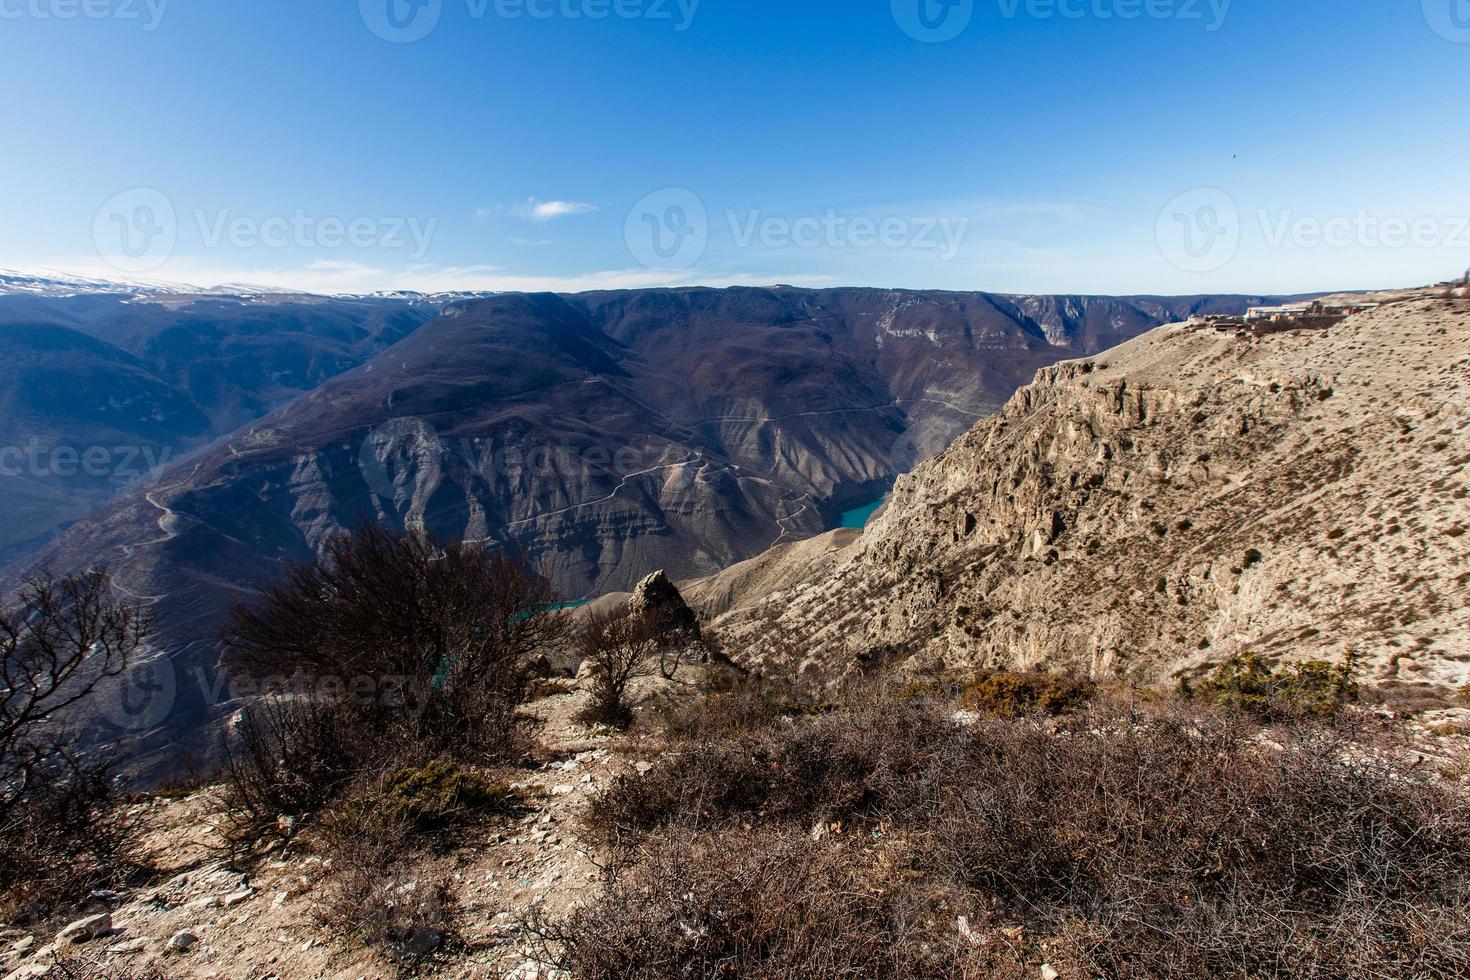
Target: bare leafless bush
column 62, row 828
column 400, row 649
column 727, row 703
column 383, row 892
column 869, row 762
column 616, row 649
column 763, row 905
column 1134, row 839
column 442, row 635
column 289, row 758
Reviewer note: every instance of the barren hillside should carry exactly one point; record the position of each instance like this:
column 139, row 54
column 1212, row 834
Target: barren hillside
column 1188, row 496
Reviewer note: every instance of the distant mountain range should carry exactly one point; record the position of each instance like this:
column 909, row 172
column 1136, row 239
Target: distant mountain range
column 58, row 284
column 605, row 434
column 101, row 387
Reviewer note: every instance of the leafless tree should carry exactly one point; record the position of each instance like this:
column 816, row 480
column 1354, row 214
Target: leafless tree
column 59, row 832
column 64, row 638
column 617, row 648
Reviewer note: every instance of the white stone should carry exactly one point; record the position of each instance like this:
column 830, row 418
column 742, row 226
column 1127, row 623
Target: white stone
column 85, row 930
column 239, row 897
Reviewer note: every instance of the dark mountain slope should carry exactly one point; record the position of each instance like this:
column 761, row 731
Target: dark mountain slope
column 134, row 382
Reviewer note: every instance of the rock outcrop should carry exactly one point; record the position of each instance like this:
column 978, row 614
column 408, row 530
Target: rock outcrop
column 1190, row 495
column 659, row 600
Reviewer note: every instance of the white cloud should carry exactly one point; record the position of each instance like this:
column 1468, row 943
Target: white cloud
column 534, row 210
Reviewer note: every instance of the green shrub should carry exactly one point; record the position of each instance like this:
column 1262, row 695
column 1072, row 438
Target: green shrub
column 1018, row 695
column 428, row 797
column 1245, row 682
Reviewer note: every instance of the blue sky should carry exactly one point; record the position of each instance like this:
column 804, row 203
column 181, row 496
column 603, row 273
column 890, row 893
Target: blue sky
column 1099, row 146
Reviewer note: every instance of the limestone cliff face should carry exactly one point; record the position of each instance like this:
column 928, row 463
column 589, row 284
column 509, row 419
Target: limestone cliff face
column 1185, row 497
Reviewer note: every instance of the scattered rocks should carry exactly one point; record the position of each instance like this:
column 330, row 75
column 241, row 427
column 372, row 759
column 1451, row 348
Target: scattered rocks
column 86, row 930
column 182, row 942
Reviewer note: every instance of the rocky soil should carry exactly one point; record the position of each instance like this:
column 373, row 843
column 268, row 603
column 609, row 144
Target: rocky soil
column 204, row 918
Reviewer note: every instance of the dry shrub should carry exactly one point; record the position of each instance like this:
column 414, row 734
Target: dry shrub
column 68, row 836
column 400, row 649
column 764, row 906
column 442, row 636
column 289, row 757
column 1016, row 695
column 616, row 648
column 867, row 763
column 382, row 891
column 1125, row 841
column 728, row 704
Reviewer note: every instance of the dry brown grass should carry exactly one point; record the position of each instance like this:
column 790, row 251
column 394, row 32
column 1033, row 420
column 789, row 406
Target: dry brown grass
column 1129, row 840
